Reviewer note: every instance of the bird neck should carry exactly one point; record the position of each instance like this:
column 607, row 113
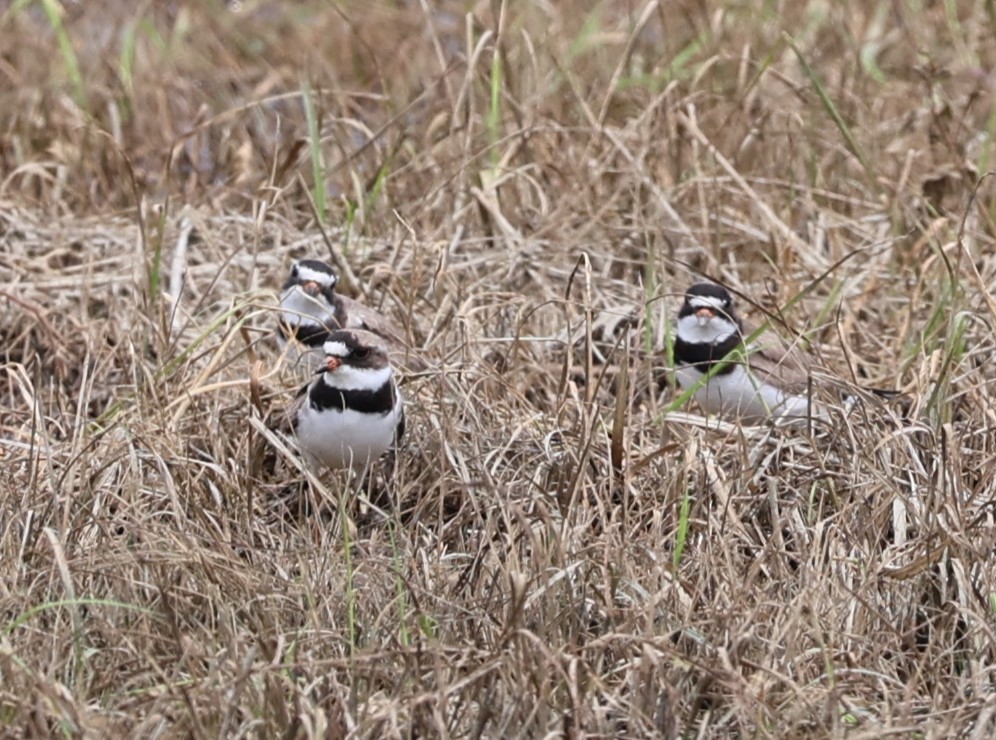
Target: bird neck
column 379, row 400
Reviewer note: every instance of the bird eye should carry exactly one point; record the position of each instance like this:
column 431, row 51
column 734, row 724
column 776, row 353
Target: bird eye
column 361, row 353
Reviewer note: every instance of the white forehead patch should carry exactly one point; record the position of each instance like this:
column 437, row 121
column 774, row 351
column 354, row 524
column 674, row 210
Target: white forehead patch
column 336, row 348
column 706, row 301
column 308, row 275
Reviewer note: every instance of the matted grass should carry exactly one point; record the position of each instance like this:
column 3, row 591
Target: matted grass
column 528, row 188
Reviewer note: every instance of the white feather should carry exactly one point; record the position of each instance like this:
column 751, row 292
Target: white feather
column 706, row 301
column 712, row 330
column 307, row 275
column 339, row 349
column 348, row 378
column 296, row 307
column 740, row 393
column 347, row 438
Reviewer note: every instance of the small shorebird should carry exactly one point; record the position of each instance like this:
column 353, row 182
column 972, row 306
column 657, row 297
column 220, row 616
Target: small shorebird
column 352, row 411
column 310, row 308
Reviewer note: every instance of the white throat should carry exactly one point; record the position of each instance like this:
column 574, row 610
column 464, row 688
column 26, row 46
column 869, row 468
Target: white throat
column 714, row 330
column 347, row 378
column 298, row 307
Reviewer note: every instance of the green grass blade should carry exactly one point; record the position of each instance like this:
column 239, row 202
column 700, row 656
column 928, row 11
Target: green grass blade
column 53, row 13
column 852, row 143
column 315, row 148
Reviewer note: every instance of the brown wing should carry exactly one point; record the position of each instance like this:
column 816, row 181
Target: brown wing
column 770, row 355
column 354, row 315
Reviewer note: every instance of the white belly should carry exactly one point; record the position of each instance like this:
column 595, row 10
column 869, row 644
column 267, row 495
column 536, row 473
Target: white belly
column 347, row 438
column 740, row 394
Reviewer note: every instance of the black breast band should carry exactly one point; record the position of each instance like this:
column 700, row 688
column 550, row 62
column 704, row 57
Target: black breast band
column 380, row 401
column 704, row 356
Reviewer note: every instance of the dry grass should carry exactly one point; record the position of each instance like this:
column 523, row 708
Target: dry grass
column 501, row 178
